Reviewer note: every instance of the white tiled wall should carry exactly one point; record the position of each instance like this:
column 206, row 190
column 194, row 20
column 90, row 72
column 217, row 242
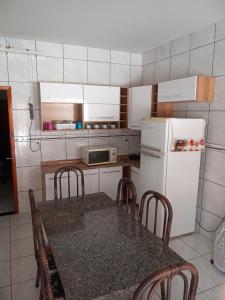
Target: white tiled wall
column 61, row 63
column 199, row 53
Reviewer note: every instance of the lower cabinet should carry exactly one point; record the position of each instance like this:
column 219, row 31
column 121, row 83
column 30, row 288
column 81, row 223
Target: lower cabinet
column 95, row 180
column 135, row 178
column 90, row 183
column 109, row 179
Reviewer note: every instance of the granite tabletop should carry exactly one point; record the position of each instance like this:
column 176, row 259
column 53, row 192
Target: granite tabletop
column 100, row 250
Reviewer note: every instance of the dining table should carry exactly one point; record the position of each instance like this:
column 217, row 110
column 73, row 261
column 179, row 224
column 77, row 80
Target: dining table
column 101, row 252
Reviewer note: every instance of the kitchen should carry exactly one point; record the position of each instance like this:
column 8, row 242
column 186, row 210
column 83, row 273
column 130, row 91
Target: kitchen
column 36, row 150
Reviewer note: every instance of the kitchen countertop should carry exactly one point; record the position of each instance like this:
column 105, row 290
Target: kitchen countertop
column 53, row 165
column 101, row 252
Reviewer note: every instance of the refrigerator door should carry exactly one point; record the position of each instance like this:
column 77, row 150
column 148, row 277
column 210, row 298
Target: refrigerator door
column 154, row 134
column 182, row 190
column 152, row 177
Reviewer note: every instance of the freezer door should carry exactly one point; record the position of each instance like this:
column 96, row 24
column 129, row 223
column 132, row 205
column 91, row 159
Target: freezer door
column 154, row 134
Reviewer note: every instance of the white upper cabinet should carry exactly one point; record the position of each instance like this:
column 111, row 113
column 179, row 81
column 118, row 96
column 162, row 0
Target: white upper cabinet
column 140, row 99
column 101, row 94
column 195, row 88
column 61, row 92
column 101, row 112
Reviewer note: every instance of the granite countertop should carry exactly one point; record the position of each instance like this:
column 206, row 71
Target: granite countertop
column 101, row 251
column 53, row 165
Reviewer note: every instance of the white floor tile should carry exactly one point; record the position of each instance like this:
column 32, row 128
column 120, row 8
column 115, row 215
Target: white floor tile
column 208, row 256
column 184, row 250
column 4, row 221
column 209, row 276
column 199, row 243
column 5, row 293
column 202, row 296
column 5, row 234
column 25, row 290
column 22, row 247
column 217, row 293
column 21, row 231
column 23, row 269
column 5, row 274
column 4, row 251
column 20, row 219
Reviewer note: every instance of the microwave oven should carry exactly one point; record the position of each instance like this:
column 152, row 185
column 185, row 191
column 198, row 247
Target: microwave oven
column 98, row 155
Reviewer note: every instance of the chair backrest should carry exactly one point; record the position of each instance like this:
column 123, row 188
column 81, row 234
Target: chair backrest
column 164, row 277
column 33, row 209
column 147, row 199
column 46, row 291
column 126, row 192
column 79, row 177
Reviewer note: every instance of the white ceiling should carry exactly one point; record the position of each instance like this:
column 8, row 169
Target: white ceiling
column 132, row 25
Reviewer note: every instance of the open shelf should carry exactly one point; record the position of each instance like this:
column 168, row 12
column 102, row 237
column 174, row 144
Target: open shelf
column 60, row 112
column 123, row 108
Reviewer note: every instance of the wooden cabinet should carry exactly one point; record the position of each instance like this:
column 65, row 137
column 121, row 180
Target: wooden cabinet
column 109, row 179
column 61, row 92
column 101, row 112
column 90, row 182
column 195, row 88
column 140, row 99
column 101, row 94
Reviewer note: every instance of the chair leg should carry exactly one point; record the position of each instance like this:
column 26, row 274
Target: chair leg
column 163, row 293
column 37, row 277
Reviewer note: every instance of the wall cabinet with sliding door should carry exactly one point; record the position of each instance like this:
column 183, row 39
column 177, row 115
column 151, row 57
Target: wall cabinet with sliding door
column 101, row 104
column 195, row 88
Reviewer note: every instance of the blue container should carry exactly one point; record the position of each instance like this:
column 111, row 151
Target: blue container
column 78, row 125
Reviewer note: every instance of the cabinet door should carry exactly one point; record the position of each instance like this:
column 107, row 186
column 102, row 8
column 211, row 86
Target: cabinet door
column 139, row 105
column 90, row 184
column 135, row 178
column 101, row 112
column 61, row 92
column 109, row 179
column 91, row 181
column 49, row 186
column 177, row 90
column 101, row 94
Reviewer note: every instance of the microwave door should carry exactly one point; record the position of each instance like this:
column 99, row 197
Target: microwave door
column 99, row 157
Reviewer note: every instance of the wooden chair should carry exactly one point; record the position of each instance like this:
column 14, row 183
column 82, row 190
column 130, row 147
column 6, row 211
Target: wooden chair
column 58, row 179
column 51, row 286
column 165, row 276
column 147, row 198
column 126, row 192
column 51, row 261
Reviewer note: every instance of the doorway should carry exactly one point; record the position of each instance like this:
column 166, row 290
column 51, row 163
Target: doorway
column 8, row 184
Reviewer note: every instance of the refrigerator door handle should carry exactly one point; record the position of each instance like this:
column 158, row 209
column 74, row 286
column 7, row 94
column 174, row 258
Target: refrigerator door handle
column 150, row 148
column 150, row 154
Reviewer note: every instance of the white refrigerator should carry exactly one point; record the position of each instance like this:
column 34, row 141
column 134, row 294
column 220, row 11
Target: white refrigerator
column 170, row 164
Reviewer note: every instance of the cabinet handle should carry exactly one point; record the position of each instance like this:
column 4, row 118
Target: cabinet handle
column 111, row 172
column 102, row 117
